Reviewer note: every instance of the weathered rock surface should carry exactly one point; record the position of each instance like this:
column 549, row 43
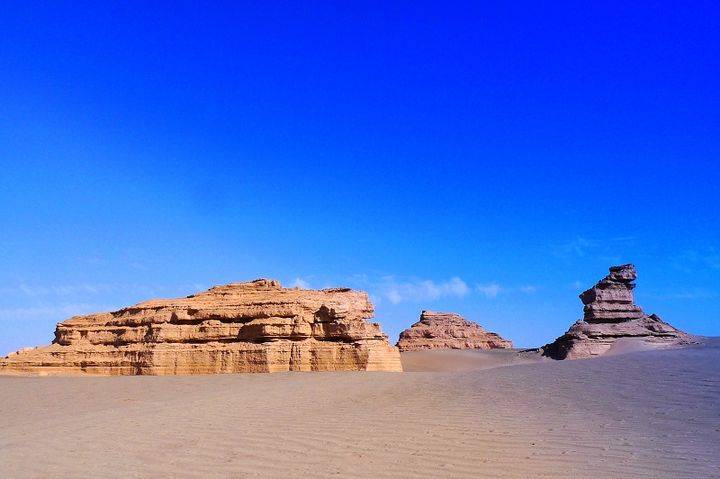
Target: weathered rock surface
column 241, row 327
column 610, row 314
column 448, row 331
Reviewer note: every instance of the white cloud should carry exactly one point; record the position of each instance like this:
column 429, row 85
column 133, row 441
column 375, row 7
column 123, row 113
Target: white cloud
column 394, row 290
column 394, row 296
column 457, row 287
column 300, row 283
column 490, row 290
column 419, row 290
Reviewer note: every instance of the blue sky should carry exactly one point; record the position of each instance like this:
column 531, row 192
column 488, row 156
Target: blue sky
column 489, row 160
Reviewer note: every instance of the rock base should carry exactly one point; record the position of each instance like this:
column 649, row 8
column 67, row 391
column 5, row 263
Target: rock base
column 237, row 328
column 611, row 315
column 448, row 331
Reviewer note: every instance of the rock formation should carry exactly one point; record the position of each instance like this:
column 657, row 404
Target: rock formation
column 448, row 331
column 610, row 315
column 242, row 327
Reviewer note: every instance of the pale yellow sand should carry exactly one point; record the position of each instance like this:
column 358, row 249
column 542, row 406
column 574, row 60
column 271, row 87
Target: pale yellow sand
column 453, row 360
column 647, row 414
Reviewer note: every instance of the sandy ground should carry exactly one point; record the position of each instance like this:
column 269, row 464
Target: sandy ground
column 644, row 414
column 452, row 360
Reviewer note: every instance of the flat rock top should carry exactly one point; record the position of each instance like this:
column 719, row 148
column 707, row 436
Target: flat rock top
column 253, row 299
column 625, row 273
column 256, row 326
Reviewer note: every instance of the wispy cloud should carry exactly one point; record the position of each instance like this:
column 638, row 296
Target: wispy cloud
column 34, row 290
column 699, row 293
column 99, row 289
column 580, row 246
column 391, row 288
column 300, row 283
column 683, row 294
column 56, row 312
column 490, row 290
column 56, row 290
column 692, row 259
column 397, row 291
column 493, row 290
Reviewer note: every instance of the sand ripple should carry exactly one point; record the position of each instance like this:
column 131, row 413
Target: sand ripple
column 648, row 414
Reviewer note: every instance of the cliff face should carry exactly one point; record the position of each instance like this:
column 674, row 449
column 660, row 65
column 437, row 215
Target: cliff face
column 241, row 327
column 610, row 314
column 448, row 331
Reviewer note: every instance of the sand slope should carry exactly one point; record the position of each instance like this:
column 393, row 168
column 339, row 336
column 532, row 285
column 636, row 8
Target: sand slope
column 466, row 360
column 646, row 414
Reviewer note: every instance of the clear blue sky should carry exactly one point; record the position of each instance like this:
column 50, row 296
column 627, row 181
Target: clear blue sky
column 492, row 160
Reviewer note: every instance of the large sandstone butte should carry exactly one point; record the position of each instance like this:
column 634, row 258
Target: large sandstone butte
column 610, row 315
column 448, row 331
column 242, row 327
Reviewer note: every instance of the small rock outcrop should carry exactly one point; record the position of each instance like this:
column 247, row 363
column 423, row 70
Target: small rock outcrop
column 448, row 331
column 610, row 314
column 257, row 326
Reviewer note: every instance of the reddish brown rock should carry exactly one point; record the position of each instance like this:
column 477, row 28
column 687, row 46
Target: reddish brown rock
column 610, row 314
column 448, row 331
column 242, row 327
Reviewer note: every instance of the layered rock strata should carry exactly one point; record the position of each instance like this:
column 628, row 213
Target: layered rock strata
column 610, row 314
column 448, row 331
column 257, row 326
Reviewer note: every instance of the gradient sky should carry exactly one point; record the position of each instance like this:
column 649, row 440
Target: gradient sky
column 488, row 160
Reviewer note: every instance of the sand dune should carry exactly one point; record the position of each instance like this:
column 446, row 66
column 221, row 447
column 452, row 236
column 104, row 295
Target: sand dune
column 645, row 414
column 466, row 360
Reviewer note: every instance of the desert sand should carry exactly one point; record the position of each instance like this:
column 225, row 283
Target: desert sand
column 452, row 414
